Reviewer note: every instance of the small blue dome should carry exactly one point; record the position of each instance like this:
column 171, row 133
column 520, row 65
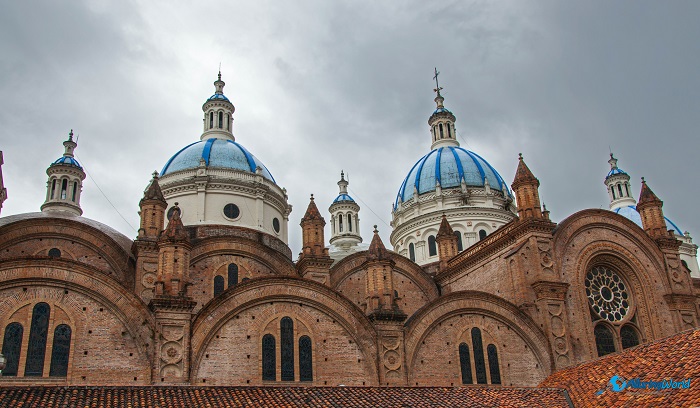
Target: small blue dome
column 630, row 212
column 440, row 110
column 219, row 97
column 70, row 161
column 343, row 198
column 615, row 171
column 449, row 165
column 216, row 153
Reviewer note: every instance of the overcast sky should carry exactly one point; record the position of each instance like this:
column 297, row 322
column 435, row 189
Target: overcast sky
column 324, row 86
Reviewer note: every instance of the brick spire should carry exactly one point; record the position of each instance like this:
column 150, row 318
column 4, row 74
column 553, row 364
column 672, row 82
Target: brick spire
column 152, row 212
column 447, row 242
column 650, row 210
column 313, row 241
column 377, row 250
column 526, row 191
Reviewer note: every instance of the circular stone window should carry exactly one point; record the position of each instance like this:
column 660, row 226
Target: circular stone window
column 276, row 225
column 607, row 294
column 232, row 211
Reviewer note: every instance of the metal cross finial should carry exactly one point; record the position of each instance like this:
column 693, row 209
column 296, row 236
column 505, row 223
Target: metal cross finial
column 437, row 84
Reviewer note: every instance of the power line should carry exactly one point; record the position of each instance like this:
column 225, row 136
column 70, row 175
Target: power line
column 368, row 207
column 105, row 195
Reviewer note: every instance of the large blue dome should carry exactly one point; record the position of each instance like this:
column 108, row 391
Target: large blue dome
column 449, row 165
column 216, row 153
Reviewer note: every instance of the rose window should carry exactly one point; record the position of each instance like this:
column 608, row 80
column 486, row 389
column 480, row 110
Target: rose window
column 607, row 294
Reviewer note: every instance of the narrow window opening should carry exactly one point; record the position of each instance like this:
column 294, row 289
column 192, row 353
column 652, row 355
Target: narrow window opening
column 53, row 188
column 211, row 120
column 627, row 191
column 449, row 133
column 64, row 187
column 38, row 334
column 432, row 248
column 60, row 351
column 613, row 192
column 340, row 223
column 460, row 248
column 221, row 120
column 349, row 223
column 305, row 359
column 228, row 123
column 11, row 347
column 75, row 190
column 482, row 234
column 494, row 369
column 269, row 358
column 442, row 136
column 232, row 275
column 479, row 362
column 287, row 348
column 465, row 364
column 218, row 285
column 619, row 189
column 412, row 252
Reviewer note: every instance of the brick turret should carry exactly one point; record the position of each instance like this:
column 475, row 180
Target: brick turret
column 379, row 291
column 650, row 210
column 314, row 261
column 447, row 242
column 526, row 191
column 152, row 212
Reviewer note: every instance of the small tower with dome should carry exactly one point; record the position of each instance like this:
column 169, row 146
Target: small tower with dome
column 65, row 183
column 618, row 183
column 345, row 223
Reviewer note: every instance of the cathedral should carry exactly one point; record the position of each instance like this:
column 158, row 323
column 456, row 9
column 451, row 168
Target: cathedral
column 476, row 286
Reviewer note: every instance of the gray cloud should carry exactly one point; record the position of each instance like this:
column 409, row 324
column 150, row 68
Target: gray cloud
column 325, row 86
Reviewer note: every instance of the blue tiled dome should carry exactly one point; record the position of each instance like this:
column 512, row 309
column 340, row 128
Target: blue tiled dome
column 449, row 165
column 615, row 171
column 216, row 153
column 70, row 161
column 343, row 198
column 219, row 97
column 630, row 212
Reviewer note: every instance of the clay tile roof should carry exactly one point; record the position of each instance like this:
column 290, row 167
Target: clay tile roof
column 673, row 358
column 312, row 212
column 646, row 195
column 175, row 231
column 195, row 397
column 523, row 173
column 153, row 191
column 445, row 228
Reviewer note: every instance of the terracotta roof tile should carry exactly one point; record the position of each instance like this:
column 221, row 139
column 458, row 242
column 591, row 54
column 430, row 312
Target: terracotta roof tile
column 194, row 397
column 676, row 357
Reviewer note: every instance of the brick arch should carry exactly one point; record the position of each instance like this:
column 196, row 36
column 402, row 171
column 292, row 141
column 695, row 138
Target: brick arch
column 243, row 247
column 284, row 289
column 351, row 264
column 420, row 325
column 115, row 254
column 89, row 282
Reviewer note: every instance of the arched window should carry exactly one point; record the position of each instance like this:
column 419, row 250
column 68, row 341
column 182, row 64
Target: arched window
column 432, row 248
column 53, row 188
column 211, row 120
column 460, row 248
column 619, row 189
column 232, row 274
column 268, row 358
column 479, row 362
column 465, row 364
column 449, row 133
column 604, row 340
column 494, row 369
column 349, row 223
column 64, row 188
column 306, row 371
column 11, row 347
column 221, row 120
column 38, row 333
column 228, row 123
column 629, row 337
column 340, row 222
column 612, row 189
column 60, row 351
column 627, row 190
column 333, row 225
column 75, row 190
column 218, row 285
column 412, row 252
column 482, row 234
column 287, row 348
column 441, row 134
column 54, row 253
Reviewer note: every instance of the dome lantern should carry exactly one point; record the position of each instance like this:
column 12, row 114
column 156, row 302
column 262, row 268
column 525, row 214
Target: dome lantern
column 345, row 223
column 218, row 114
column 65, row 181
column 618, row 184
column 442, row 121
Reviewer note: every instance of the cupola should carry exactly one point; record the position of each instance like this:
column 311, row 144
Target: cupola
column 65, row 181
